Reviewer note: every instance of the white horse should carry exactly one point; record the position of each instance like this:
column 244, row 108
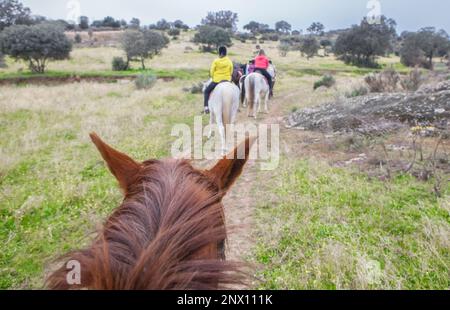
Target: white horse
column 223, row 107
column 256, row 88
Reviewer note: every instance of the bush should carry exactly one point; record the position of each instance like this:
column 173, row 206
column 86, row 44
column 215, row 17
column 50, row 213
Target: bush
column 119, row 64
column 175, row 32
column 243, row 37
column 309, row 46
column 2, row 61
column 413, row 81
column 385, row 81
column 274, row 37
column 195, row 89
column 357, row 92
column 78, row 38
column 145, row 81
column 36, row 44
column 284, row 49
column 327, row 81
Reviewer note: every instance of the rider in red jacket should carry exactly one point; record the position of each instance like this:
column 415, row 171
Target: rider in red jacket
column 262, row 64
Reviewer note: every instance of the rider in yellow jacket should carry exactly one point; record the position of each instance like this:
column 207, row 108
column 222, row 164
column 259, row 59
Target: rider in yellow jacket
column 221, row 70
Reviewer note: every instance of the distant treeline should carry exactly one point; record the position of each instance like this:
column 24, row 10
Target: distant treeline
column 359, row 45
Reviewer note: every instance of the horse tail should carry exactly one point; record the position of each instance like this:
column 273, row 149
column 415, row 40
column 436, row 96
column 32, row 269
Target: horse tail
column 131, row 254
column 242, row 86
column 251, row 91
column 227, row 112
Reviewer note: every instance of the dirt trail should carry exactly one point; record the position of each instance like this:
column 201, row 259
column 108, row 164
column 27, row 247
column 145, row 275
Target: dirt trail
column 240, row 202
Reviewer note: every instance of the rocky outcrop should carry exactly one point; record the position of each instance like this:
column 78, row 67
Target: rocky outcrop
column 379, row 112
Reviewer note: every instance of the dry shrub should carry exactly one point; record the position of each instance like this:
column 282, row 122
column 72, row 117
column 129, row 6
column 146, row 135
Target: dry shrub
column 385, row 81
column 413, row 81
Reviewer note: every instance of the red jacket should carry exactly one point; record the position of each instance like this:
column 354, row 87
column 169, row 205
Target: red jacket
column 261, row 62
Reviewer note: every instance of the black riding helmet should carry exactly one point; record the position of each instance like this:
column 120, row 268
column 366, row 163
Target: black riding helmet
column 223, row 51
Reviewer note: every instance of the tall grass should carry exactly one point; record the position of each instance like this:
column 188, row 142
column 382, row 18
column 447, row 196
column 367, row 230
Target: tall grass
column 336, row 229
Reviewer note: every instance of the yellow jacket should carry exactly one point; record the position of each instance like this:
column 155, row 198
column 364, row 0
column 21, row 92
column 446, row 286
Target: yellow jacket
column 221, row 70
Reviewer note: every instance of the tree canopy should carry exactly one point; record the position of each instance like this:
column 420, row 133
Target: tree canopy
column 223, row 19
column 316, row 28
column 211, row 37
column 256, row 28
column 361, row 44
column 419, row 48
column 12, row 12
column 36, row 44
column 283, row 27
column 143, row 44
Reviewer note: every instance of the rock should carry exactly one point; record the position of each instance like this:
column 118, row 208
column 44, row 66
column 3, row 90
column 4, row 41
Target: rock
column 378, row 113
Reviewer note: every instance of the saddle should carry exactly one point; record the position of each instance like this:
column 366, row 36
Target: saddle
column 221, row 82
column 259, row 71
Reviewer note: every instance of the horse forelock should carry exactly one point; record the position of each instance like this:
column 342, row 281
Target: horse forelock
column 165, row 235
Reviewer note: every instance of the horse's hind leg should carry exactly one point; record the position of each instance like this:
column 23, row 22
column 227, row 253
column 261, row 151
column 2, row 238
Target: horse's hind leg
column 266, row 102
column 222, row 138
column 211, row 123
column 257, row 106
column 251, row 106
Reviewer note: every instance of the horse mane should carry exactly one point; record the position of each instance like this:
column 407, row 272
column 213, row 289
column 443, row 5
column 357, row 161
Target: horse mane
column 160, row 237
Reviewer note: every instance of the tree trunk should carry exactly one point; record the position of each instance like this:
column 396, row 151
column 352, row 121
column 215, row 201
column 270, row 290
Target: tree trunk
column 143, row 63
column 431, row 61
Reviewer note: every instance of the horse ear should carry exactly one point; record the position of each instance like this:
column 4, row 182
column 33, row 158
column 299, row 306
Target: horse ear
column 121, row 166
column 228, row 169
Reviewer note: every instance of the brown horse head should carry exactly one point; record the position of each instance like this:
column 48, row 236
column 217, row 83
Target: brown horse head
column 169, row 232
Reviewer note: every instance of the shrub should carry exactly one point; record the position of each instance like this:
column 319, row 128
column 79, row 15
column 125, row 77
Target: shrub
column 243, row 37
column 284, row 49
column 413, row 81
column 357, row 92
column 145, row 81
column 309, row 46
column 385, row 81
column 195, row 89
column 119, row 64
column 36, row 44
column 274, row 37
column 2, row 61
column 327, row 81
column 78, row 38
column 175, row 32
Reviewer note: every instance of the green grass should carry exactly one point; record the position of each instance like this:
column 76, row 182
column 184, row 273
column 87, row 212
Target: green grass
column 183, row 74
column 55, row 189
column 335, row 229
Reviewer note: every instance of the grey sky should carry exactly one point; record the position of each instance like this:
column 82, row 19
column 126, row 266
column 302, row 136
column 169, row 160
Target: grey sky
column 335, row 14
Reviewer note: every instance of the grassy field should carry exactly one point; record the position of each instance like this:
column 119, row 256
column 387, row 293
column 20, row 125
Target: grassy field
column 315, row 225
column 329, row 228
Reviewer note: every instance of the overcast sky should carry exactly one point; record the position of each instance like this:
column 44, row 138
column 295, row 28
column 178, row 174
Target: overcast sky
column 335, row 14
